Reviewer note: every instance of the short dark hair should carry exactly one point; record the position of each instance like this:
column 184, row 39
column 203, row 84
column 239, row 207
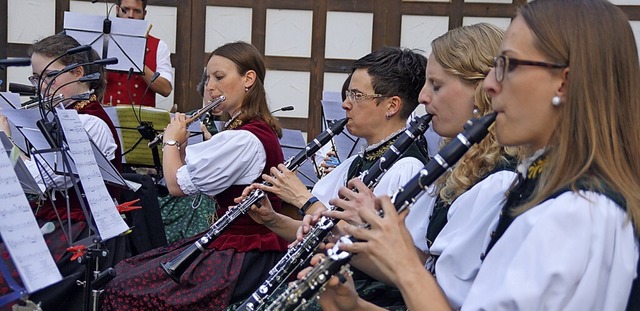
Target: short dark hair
column 144, row 3
column 396, row 71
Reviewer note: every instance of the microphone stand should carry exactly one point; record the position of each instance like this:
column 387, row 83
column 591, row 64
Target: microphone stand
column 93, row 278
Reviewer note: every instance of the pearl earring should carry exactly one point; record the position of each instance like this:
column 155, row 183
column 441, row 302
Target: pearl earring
column 246, row 89
column 476, row 112
column 556, row 101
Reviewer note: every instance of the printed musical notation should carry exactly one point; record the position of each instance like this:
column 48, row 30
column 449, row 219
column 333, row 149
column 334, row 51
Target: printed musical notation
column 103, row 209
column 21, row 234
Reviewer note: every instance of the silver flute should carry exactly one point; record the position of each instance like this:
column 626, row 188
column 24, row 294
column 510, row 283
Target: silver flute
column 213, row 103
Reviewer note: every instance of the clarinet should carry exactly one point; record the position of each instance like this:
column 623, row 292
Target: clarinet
column 302, row 251
column 213, row 103
column 176, row 267
column 304, row 291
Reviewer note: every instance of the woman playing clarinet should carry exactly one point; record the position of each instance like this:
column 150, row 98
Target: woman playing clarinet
column 240, row 258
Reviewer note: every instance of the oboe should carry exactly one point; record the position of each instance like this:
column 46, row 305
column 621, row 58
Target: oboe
column 302, row 251
column 303, row 291
column 175, row 267
column 213, row 103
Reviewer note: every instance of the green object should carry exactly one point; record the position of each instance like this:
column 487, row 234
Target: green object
column 186, row 216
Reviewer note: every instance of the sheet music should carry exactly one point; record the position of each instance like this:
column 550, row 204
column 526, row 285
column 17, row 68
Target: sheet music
column 107, row 218
column 127, row 40
column 13, row 98
column 21, row 234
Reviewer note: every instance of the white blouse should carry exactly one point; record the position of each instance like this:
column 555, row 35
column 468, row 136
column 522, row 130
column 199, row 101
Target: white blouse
column 99, row 133
column 465, row 236
column 575, row 252
column 398, row 175
column 234, row 157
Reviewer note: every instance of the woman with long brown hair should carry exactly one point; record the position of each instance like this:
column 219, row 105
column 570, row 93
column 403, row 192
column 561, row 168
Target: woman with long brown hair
column 564, row 87
column 239, row 259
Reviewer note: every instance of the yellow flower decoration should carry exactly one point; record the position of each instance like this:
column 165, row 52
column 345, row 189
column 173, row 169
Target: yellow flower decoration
column 535, row 169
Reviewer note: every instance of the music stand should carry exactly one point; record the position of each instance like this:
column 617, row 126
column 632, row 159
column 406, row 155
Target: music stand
column 22, row 238
column 292, row 142
column 345, row 143
column 128, row 36
column 134, row 147
column 29, row 185
column 9, row 100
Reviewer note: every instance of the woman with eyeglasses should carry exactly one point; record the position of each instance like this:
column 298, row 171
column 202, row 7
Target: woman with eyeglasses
column 565, row 88
column 453, row 93
column 52, row 210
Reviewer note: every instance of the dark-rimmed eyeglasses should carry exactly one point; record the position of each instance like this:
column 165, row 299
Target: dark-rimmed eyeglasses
column 357, row 96
column 503, row 63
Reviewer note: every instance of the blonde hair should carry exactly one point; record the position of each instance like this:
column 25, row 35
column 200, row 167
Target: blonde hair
column 597, row 139
column 467, row 53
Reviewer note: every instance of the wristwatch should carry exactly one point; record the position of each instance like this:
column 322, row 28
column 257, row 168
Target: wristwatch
column 170, row 143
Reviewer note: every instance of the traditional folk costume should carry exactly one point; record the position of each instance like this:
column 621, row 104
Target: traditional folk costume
column 124, row 89
column 399, row 174
column 573, row 251
column 67, row 295
column 238, row 260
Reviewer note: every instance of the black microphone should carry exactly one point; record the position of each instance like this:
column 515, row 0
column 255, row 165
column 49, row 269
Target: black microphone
column 99, row 62
column 90, row 77
column 285, row 108
column 133, row 106
column 22, row 89
column 15, row 62
column 106, row 61
column 78, row 49
column 146, row 128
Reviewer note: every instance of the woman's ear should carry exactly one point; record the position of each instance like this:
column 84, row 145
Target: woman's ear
column 249, row 78
column 562, row 90
column 78, row 72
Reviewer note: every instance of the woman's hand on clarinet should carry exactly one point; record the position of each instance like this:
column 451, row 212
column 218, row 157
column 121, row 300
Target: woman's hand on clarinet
column 286, row 185
column 351, row 202
column 339, row 293
column 177, row 129
column 263, row 214
column 387, row 243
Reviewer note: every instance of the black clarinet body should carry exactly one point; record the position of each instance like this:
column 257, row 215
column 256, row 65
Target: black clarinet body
column 176, row 267
column 305, row 290
column 302, row 251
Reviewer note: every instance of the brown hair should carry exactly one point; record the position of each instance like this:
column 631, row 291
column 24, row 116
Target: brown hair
column 58, row 44
column 597, row 139
column 254, row 106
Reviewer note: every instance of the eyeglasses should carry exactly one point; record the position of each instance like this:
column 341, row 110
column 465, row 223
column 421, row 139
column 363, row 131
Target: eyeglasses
column 47, row 78
column 357, row 96
column 503, row 63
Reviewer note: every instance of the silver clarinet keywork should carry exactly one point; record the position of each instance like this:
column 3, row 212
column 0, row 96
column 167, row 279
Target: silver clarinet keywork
column 305, row 290
column 305, row 249
column 175, row 267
